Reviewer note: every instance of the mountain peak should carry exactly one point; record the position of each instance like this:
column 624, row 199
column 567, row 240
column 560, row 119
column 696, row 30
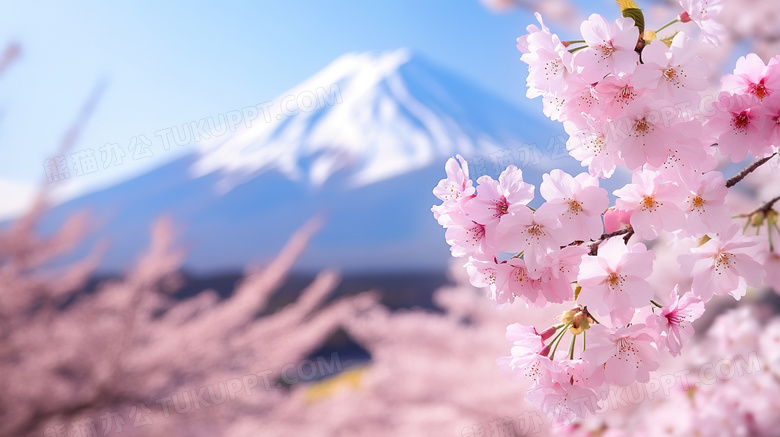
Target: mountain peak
column 367, row 117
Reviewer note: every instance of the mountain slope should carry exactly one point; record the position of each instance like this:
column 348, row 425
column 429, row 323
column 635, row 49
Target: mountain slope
column 367, row 161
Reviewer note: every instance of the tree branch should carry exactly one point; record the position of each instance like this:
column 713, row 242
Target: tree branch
column 764, row 209
column 749, row 169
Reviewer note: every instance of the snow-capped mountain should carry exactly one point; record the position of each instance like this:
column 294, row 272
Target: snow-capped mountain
column 388, row 114
column 367, row 155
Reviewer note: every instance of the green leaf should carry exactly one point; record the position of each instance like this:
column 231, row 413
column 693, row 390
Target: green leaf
column 636, row 15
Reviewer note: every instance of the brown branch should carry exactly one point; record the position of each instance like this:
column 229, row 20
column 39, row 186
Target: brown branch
column 764, row 209
column 594, row 246
column 747, row 170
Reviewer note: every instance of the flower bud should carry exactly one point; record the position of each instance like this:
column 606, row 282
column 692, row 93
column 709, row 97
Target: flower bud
column 757, row 219
column 549, row 332
column 684, row 17
column 578, row 318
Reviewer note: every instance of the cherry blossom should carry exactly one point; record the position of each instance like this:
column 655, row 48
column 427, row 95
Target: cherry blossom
column 752, row 76
column 549, row 61
column 529, row 355
column 512, row 279
column 615, row 281
column 571, row 394
column 738, row 126
column 627, row 354
column 704, row 204
column 674, row 321
column 615, row 93
column 673, row 72
column 652, row 202
column 496, row 199
column 703, row 13
column 643, row 133
column 456, row 187
column 467, row 238
column 610, row 48
column 484, row 274
column 723, row 265
column 578, row 203
column 628, row 103
column 535, row 233
column 590, row 145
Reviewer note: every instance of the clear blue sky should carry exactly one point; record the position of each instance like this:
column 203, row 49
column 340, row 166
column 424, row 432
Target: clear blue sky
column 168, row 63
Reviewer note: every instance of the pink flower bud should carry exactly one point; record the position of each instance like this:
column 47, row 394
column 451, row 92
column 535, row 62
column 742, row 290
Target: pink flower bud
column 684, row 17
column 549, row 332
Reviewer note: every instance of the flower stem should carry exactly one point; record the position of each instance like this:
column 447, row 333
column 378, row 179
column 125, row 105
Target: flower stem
column 667, row 25
column 656, row 303
column 578, row 48
column 571, row 346
column 584, row 337
column 558, row 337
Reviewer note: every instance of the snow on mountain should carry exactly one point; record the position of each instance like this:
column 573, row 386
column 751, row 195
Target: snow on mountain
column 368, row 158
column 388, row 114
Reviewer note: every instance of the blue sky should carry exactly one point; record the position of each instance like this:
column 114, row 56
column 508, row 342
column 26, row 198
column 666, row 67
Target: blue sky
column 167, row 63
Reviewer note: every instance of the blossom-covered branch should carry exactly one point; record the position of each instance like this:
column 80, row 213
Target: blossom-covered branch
column 623, row 104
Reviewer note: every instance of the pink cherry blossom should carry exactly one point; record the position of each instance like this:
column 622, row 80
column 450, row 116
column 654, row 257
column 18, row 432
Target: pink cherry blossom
column 467, row 238
column 615, row 281
column 578, row 203
column 484, row 274
column 697, row 156
column 652, row 202
column 452, row 190
column 512, row 279
column 674, row 72
column 579, row 101
column 704, row 204
column 457, row 184
column 674, row 321
column 611, row 48
column 495, row 199
column 529, row 355
column 752, row 76
column 738, row 126
column 571, row 394
column 590, row 145
column 648, row 127
column 615, row 93
column 549, row 63
column 533, row 233
column 770, row 134
column 628, row 354
column 703, row 13
column 723, row 265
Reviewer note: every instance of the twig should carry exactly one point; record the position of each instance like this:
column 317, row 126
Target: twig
column 764, row 209
column 749, row 169
column 628, row 232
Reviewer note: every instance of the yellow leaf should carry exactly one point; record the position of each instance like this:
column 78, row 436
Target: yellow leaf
column 627, row 4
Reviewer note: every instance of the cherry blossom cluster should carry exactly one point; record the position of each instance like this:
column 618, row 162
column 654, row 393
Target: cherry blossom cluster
column 625, row 97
